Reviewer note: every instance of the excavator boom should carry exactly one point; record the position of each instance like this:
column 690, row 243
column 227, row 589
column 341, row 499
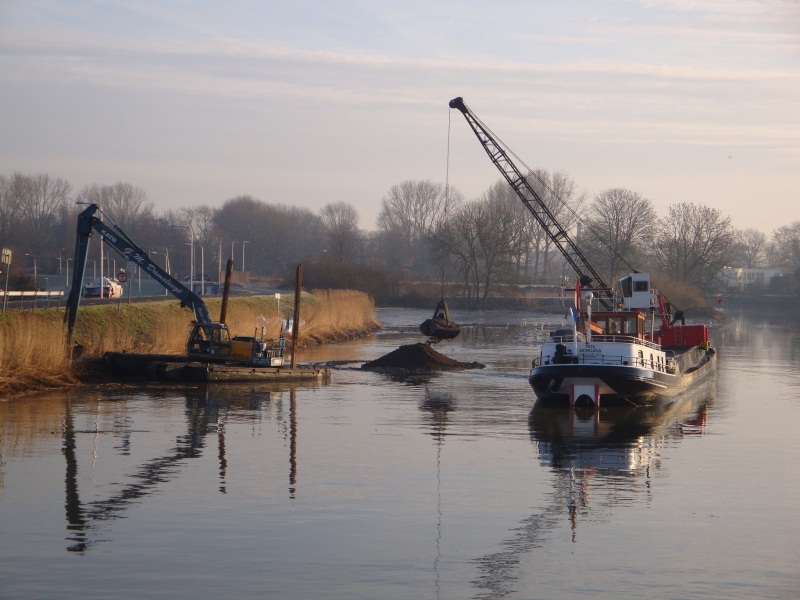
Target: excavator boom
column 89, row 221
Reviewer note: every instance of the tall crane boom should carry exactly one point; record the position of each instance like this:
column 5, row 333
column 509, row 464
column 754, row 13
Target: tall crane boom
column 588, row 277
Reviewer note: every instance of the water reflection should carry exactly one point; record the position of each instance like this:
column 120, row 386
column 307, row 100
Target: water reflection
column 600, row 460
column 208, row 409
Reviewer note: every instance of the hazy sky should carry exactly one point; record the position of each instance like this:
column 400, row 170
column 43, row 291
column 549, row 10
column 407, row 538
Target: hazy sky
column 311, row 102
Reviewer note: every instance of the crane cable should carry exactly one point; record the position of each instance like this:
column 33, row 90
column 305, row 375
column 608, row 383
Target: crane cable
column 446, row 188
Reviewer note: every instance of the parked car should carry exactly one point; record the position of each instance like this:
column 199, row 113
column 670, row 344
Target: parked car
column 111, row 288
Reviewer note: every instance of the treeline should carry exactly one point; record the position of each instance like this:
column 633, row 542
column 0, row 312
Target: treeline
column 469, row 248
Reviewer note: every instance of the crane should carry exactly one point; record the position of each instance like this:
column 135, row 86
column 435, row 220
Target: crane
column 636, row 290
column 587, row 276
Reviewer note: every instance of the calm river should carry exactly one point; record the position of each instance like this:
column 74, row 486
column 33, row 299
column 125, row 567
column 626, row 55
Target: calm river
column 447, row 486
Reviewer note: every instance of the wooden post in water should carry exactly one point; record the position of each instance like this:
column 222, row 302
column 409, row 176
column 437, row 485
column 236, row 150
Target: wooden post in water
column 223, row 313
column 298, row 284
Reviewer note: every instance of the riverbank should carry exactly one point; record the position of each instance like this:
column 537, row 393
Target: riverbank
column 33, row 354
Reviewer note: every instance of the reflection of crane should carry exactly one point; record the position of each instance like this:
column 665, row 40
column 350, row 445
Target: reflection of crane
column 596, row 459
column 202, row 417
column 438, row 406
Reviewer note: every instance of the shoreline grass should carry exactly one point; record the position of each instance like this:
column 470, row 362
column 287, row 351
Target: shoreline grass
column 33, row 353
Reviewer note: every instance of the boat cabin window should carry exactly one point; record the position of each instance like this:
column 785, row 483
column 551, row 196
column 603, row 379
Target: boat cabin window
column 627, row 286
column 629, row 326
column 620, row 323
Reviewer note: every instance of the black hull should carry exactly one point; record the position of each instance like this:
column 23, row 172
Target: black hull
column 621, row 384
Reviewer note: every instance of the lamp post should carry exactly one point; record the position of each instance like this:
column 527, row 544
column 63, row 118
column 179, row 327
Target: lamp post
column 243, row 244
column 59, row 260
column 219, row 265
column 35, row 276
column 94, row 268
column 232, row 246
column 111, row 263
column 5, row 259
column 202, row 270
column 191, row 251
column 166, row 264
column 66, row 286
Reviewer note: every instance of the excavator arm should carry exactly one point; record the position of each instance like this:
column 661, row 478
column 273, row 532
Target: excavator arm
column 112, row 234
column 588, row 277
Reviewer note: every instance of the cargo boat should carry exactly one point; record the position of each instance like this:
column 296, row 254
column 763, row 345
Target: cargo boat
column 618, row 357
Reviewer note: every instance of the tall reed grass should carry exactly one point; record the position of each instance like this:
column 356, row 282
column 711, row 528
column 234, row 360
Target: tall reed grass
column 33, row 351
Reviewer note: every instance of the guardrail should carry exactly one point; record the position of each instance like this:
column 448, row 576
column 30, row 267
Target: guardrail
column 22, row 297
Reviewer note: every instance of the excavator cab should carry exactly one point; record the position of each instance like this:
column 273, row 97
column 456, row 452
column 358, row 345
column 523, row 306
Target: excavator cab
column 209, row 339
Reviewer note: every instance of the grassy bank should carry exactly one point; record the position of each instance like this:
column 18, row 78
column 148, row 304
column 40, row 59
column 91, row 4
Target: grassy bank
column 33, row 344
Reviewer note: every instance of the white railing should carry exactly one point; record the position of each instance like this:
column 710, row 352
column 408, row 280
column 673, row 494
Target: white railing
column 32, row 295
column 35, row 296
column 620, row 339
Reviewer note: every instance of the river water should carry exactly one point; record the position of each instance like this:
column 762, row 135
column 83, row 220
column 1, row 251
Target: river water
column 445, row 486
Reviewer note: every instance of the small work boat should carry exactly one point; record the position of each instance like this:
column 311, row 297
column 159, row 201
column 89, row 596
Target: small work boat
column 440, row 327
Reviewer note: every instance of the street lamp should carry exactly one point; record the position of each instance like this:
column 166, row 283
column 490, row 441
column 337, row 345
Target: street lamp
column 166, row 264
column 243, row 244
column 35, row 277
column 202, row 271
column 219, row 265
column 191, row 251
column 111, row 263
column 59, row 260
column 232, row 245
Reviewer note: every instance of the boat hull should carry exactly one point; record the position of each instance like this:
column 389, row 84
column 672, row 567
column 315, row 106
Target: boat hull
column 614, row 384
column 167, row 367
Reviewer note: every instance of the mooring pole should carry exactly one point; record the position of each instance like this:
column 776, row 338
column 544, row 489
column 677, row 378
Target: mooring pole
column 296, row 325
column 223, row 313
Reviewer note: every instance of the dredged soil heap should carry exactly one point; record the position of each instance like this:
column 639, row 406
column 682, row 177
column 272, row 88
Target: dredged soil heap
column 419, row 357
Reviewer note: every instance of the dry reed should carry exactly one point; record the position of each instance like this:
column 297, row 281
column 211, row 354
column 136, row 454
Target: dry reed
column 32, row 355
column 33, row 344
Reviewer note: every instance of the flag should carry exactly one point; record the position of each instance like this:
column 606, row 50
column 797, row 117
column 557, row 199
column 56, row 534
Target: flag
column 577, row 301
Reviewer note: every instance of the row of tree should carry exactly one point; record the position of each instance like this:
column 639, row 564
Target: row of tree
column 424, row 231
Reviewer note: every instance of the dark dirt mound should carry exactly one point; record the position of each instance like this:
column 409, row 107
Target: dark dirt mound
column 419, row 357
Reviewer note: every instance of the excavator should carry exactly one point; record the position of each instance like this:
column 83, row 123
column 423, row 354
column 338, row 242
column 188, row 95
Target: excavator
column 209, row 340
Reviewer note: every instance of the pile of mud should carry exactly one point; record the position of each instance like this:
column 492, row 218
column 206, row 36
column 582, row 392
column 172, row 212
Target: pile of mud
column 419, row 357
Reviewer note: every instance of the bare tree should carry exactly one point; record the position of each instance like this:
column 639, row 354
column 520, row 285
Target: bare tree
column 125, row 203
column 340, row 221
column 36, row 201
column 278, row 236
column 410, row 212
column 456, row 240
column 481, row 240
column 784, row 249
column 9, row 212
column 560, row 194
column 494, row 221
column 618, row 232
column 751, row 248
column 693, row 243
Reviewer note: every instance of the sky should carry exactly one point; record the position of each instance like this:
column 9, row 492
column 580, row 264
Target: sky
column 308, row 102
